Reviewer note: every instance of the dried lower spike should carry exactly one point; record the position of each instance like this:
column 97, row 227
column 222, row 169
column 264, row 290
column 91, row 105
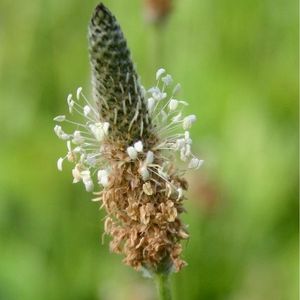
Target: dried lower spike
column 127, row 144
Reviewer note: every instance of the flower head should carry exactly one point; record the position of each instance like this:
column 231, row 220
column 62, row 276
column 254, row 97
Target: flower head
column 126, row 144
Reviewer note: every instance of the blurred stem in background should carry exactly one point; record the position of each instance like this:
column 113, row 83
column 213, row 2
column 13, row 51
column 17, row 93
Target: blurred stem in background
column 156, row 13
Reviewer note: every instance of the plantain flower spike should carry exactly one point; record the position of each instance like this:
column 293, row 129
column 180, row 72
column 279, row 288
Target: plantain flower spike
column 126, row 145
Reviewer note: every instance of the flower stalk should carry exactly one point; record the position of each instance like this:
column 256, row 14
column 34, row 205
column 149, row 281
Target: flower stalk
column 127, row 142
column 163, row 286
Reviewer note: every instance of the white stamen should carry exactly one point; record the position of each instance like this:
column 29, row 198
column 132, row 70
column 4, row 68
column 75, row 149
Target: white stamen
column 86, row 110
column 188, row 150
column 87, row 181
column 150, row 104
column 183, row 103
column 173, row 104
column 71, row 105
column 180, row 143
column 177, row 118
column 188, row 121
column 99, row 130
column 176, row 88
column 69, row 146
column 60, row 133
column 132, row 153
column 144, row 173
column 138, row 146
column 105, row 127
column 77, row 138
column 59, row 163
column 195, row 163
column 167, row 80
column 149, row 158
column 103, row 178
column 158, row 95
column 76, row 174
column 180, row 193
column 187, row 138
column 69, row 98
column 78, row 92
column 60, row 118
column 159, row 73
column 182, row 154
column 89, row 185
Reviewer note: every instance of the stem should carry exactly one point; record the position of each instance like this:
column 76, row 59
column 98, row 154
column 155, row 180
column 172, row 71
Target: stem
column 163, row 286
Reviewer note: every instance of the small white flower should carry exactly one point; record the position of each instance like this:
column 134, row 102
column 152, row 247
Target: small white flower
column 173, row 104
column 138, row 146
column 99, row 130
column 150, row 104
column 188, row 150
column 158, row 95
column 195, row 163
column 159, row 73
column 77, row 138
column 180, row 193
column 185, row 152
column 154, row 90
column 71, row 155
column 105, row 127
column 70, row 102
column 180, row 143
column 149, row 158
column 60, row 118
column 89, row 185
column 167, row 80
column 188, row 121
column 103, row 177
column 182, row 154
column 69, row 98
column 60, row 133
column 71, row 105
column 77, row 150
column 86, row 110
column 177, row 118
column 144, row 173
column 87, row 181
column 187, row 138
column 76, row 174
column 59, row 163
column 176, row 88
column 91, row 160
column 132, row 153
column 78, row 92
column 69, row 147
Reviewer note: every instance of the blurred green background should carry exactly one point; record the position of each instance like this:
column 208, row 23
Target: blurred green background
column 238, row 65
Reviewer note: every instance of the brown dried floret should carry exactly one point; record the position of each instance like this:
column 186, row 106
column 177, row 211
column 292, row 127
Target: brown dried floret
column 144, row 227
